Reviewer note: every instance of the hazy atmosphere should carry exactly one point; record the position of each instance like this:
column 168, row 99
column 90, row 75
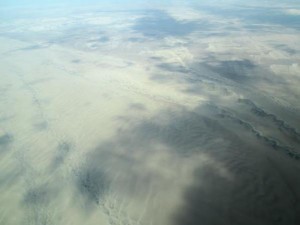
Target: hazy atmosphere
column 149, row 112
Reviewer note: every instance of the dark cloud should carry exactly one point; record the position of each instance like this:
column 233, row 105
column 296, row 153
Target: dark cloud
column 239, row 180
column 137, row 106
column 242, row 182
column 39, row 195
column 212, row 77
column 103, row 39
column 272, row 142
column 214, row 70
column 63, row 149
column 281, row 124
column 158, row 24
column 183, row 134
column 258, row 195
column 140, row 40
column 5, row 140
column 30, row 48
column 93, row 183
column 41, row 126
column 285, row 48
column 37, row 200
column 79, row 36
column 173, row 67
column 76, row 61
column 186, row 134
column 238, row 73
column 6, row 118
column 235, row 70
column 123, row 159
column 40, row 81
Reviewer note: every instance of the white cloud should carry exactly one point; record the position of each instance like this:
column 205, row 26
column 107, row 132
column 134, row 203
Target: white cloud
column 295, row 12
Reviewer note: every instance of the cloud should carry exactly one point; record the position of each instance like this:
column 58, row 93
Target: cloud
column 159, row 24
column 295, row 12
